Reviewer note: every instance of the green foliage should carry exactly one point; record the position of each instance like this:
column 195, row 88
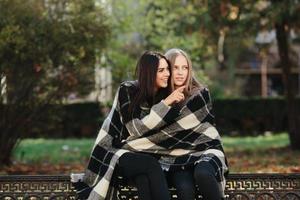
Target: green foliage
column 177, row 24
column 47, row 51
column 50, row 41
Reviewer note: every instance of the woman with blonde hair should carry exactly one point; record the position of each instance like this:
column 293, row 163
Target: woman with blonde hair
column 208, row 171
column 189, row 81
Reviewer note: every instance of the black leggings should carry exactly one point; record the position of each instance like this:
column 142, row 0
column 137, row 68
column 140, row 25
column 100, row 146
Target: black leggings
column 203, row 175
column 147, row 175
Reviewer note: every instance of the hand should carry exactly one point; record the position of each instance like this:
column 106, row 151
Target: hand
column 175, row 97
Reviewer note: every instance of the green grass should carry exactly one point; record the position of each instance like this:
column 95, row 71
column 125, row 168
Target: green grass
column 78, row 150
column 266, row 153
column 53, row 150
column 260, row 142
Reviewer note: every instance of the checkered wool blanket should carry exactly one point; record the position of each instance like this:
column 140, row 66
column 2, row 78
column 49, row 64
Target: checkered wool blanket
column 178, row 136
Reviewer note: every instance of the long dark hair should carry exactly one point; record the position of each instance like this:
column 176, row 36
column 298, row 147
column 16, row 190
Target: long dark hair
column 146, row 70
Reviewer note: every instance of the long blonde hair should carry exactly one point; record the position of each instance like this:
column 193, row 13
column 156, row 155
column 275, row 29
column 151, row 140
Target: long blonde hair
column 191, row 83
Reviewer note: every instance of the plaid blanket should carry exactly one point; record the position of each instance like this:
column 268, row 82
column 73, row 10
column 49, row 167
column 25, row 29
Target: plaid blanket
column 178, row 136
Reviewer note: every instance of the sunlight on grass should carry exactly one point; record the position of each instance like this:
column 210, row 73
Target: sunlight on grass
column 256, row 143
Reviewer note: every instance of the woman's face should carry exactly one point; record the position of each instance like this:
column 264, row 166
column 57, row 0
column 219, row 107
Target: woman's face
column 180, row 71
column 162, row 74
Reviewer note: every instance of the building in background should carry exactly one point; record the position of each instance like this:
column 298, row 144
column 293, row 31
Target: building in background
column 259, row 67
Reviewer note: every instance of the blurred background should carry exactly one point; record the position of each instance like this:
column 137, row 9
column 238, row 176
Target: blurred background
column 62, row 60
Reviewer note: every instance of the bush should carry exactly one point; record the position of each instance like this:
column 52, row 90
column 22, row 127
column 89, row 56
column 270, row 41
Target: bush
column 242, row 116
column 74, row 120
column 250, row 116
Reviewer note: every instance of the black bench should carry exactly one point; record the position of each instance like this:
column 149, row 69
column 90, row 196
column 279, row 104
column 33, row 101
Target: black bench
column 238, row 187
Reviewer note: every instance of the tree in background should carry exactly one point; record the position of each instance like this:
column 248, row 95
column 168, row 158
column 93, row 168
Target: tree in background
column 47, row 51
column 288, row 17
column 246, row 18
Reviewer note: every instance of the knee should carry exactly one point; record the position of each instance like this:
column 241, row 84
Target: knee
column 203, row 173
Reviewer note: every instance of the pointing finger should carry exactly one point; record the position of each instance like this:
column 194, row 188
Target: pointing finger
column 181, row 88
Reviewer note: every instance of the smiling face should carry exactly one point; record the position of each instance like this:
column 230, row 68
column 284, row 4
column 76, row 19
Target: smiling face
column 180, row 71
column 162, row 74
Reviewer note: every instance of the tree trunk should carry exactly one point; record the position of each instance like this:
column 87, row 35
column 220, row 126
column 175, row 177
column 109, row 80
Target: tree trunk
column 292, row 107
column 7, row 147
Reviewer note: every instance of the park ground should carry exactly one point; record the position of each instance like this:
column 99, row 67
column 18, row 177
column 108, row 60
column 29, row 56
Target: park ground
column 268, row 153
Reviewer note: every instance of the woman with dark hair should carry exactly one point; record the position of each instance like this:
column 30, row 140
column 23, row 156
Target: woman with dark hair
column 207, row 172
column 108, row 152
